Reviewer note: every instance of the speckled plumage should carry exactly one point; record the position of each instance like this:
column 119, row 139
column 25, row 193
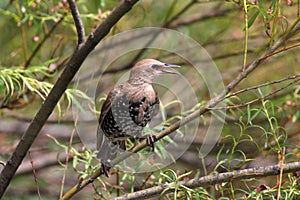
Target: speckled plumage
column 128, row 108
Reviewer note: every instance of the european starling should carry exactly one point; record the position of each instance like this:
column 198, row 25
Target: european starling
column 128, row 108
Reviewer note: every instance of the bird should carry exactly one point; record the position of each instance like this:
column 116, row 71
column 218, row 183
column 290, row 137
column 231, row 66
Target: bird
column 128, row 108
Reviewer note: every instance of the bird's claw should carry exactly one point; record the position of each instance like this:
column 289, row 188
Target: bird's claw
column 105, row 169
column 151, row 139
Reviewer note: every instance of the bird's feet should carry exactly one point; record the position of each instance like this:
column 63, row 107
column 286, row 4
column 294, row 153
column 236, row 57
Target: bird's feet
column 105, row 169
column 150, row 139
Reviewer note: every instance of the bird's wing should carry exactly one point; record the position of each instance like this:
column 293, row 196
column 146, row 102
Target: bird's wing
column 107, row 149
column 143, row 105
column 111, row 97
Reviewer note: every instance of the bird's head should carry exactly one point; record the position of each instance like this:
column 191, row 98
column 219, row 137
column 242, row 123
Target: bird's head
column 148, row 69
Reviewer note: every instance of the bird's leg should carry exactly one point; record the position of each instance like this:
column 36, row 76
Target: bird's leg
column 150, row 139
column 105, row 169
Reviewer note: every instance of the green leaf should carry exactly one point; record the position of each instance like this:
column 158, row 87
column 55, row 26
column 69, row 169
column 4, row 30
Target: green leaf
column 252, row 19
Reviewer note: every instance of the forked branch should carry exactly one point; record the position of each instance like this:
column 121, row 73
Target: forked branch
column 57, row 91
column 211, row 104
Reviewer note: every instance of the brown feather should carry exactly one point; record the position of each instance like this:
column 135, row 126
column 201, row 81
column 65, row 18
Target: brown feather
column 128, row 108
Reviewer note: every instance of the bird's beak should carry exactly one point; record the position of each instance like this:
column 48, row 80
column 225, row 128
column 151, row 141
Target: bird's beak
column 166, row 68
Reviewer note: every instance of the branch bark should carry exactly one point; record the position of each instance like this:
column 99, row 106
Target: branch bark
column 57, row 91
column 77, row 21
column 214, row 179
column 210, row 105
column 173, row 24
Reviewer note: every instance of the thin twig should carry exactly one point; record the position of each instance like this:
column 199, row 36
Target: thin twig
column 281, row 50
column 68, row 150
column 77, row 21
column 34, row 174
column 57, row 91
column 42, row 162
column 182, row 11
column 214, row 179
column 263, row 85
column 39, row 46
column 167, row 25
column 211, row 104
column 246, row 34
column 139, row 55
column 258, row 99
column 281, row 165
column 199, row 17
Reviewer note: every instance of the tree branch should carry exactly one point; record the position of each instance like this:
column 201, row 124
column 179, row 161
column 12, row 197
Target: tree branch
column 77, row 21
column 211, row 104
column 57, row 91
column 170, row 24
column 38, row 47
column 182, row 11
column 42, row 162
column 214, row 179
column 264, row 85
column 198, row 17
column 267, row 96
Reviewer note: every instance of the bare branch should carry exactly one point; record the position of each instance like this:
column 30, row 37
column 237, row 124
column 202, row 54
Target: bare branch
column 263, row 85
column 57, row 91
column 38, row 47
column 173, row 23
column 182, row 11
column 211, row 104
column 42, row 162
column 198, row 17
column 258, row 99
column 214, row 179
column 77, row 21
column 34, row 174
column 68, row 158
column 282, row 50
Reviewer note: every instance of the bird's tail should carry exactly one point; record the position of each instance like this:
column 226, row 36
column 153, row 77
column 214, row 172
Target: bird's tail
column 107, row 149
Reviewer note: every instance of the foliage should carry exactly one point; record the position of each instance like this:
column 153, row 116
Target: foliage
column 16, row 83
column 262, row 113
